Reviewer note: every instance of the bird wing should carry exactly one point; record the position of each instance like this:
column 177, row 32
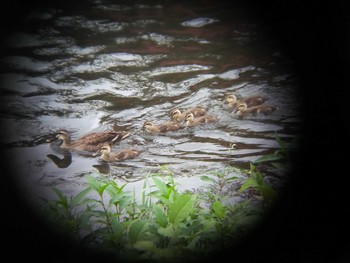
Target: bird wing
column 97, row 138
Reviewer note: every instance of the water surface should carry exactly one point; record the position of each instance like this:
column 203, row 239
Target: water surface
column 113, row 66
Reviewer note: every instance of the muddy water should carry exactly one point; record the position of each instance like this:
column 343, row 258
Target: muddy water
column 110, row 66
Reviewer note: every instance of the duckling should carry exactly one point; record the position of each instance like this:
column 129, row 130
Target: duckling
column 244, row 110
column 192, row 121
column 91, row 142
column 123, row 154
column 179, row 116
column 150, row 127
column 255, row 100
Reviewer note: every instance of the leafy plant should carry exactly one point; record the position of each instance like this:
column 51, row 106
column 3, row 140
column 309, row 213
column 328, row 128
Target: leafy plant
column 280, row 159
column 64, row 212
column 161, row 224
column 256, row 181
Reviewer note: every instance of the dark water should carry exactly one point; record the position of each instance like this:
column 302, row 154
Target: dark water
column 105, row 65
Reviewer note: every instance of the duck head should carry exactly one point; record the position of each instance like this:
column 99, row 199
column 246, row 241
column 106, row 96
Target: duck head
column 175, row 114
column 189, row 117
column 231, row 99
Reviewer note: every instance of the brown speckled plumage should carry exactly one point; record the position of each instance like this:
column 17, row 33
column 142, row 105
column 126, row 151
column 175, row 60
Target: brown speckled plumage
column 244, row 110
column 91, row 142
column 254, row 100
column 179, row 116
column 152, row 128
column 123, row 154
column 192, row 121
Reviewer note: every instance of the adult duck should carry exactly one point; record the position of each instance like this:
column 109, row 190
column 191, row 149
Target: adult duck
column 91, row 142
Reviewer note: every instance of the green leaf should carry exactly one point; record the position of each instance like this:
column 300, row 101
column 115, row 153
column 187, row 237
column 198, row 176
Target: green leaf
column 281, row 143
column 283, row 167
column 99, row 187
column 137, row 230
column 218, row 209
column 93, row 183
column 98, row 214
column 251, row 168
column 207, row 179
column 218, row 174
column 256, row 181
column 168, row 231
column 79, row 197
column 193, row 243
column 259, row 178
column 268, row 193
column 144, row 245
column 163, row 199
column 119, row 197
column 102, row 188
column 208, row 224
column 59, row 193
column 180, row 209
column 143, row 195
column 249, row 183
column 268, row 158
column 161, row 218
column 231, row 178
column 83, row 220
column 161, row 186
column 117, row 227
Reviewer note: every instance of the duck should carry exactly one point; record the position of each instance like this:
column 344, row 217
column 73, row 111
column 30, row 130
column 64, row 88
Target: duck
column 91, row 142
column 244, row 110
column 127, row 153
column 254, row 100
column 179, row 116
column 152, row 128
column 192, row 121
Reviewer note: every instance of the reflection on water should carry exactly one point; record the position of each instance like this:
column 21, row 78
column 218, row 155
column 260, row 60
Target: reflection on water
column 110, row 66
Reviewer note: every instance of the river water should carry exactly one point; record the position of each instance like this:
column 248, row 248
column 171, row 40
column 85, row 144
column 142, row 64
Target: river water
column 105, row 65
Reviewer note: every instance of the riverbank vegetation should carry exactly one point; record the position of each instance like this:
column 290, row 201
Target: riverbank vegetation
column 162, row 222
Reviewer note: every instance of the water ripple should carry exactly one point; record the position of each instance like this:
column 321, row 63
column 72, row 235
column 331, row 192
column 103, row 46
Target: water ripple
column 116, row 66
column 199, row 22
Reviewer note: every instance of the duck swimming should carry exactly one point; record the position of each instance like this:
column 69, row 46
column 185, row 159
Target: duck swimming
column 254, row 100
column 152, row 128
column 123, row 154
column 243, row 110
column 179, row 116
column 91, row 142
column 192, row 121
